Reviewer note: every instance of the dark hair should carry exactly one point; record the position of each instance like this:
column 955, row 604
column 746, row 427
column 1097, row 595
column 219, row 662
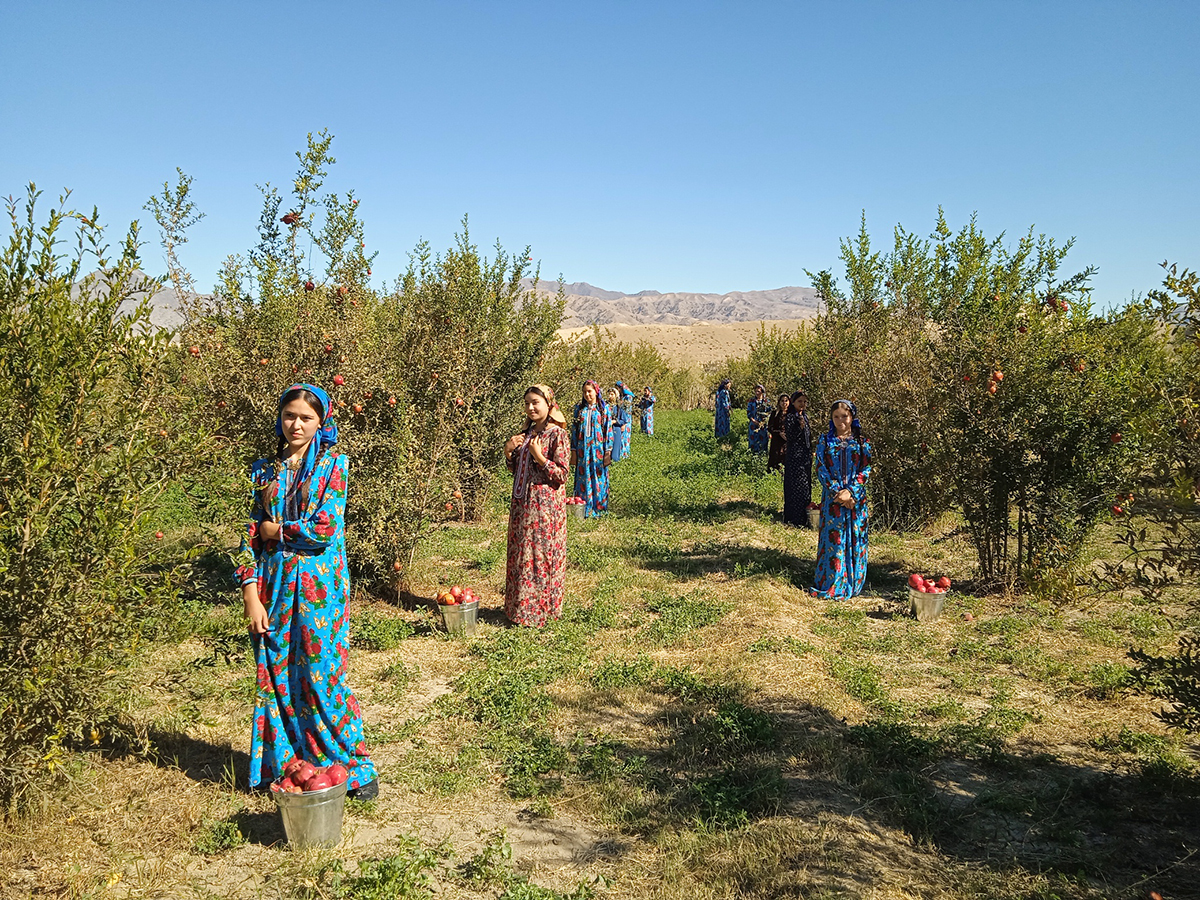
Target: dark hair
column 796, row 395
column 782, row 397
column 297, row 495
column 855, row 428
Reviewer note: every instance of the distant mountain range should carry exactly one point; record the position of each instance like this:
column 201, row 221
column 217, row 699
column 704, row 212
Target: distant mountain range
column 587, row 305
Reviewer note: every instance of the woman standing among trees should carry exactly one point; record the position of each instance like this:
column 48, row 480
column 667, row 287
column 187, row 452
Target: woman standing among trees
column 843, row 466
column 723, row 404
column 646, row 405
column 757, row 412
column 591, row 449
column 797, row 465
column 294, row 581
column 620, row 429
column 778, row 442
column 537, row 516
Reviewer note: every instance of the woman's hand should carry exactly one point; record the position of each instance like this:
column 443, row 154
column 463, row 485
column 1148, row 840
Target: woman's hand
column 269, row 530
column 511, row 445
column 255, row 611
column 535, row 447
column 845, row 498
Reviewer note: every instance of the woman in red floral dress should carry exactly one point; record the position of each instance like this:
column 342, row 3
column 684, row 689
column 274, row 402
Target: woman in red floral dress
column 537, row 518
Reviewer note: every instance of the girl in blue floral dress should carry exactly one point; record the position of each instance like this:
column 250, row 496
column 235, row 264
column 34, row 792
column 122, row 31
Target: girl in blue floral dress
column 723, row 403
column 646, row 405
column 591, row 450
column 294, row 581
column 843, row 467
column 758, row 411
column 620, row 428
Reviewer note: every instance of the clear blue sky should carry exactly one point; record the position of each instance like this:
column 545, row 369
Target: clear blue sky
column 676, row 146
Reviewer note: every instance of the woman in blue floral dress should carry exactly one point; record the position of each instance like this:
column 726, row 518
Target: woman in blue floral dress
column 294, row 581
column 723, row 403
column 646, row 405
column 843, row 467
column 591, row 450
column 620, row 428
column 758, row 411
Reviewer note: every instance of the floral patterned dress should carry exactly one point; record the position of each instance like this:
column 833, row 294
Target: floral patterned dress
column 757, row 413
column 537, row 531
column 591, row 442
column 722, row 412
column 646, row 404
column 303, row 706
column 842, row 551
column 778, row 440
column 621, row 431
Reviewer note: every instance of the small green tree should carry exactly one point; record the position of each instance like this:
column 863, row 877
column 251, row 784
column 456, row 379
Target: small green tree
column 86, row 445
column 1161, row 508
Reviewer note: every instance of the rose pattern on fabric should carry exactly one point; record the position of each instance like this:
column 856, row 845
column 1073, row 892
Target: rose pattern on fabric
column 537, row 537
column 842, row 463
column 303, row 706
column 591, row 441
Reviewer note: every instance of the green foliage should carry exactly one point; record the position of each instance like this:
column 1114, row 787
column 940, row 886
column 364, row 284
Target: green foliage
column 1161, row 531
column 431, row 372
column 86, row 450
column 375, row 631
column 981, row 376
column 678, row 615
column 405, row 875
column 217, row 836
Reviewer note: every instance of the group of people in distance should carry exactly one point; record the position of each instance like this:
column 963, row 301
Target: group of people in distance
column 843, row 458
column 295, row 583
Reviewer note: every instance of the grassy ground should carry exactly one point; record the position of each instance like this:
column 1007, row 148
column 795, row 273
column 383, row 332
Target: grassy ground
column 696, row 726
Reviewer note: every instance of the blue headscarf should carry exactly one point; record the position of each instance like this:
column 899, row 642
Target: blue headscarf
column 855, row 428
column 326, row 436
column 626, row 393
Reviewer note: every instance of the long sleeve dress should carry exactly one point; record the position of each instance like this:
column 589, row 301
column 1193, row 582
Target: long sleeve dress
column 621, row 431
column 646, row 405
column 757, row 412
column 797, row 469
column 721, row 427
column 303, row 706
column 591, row 442
column 842, row 550
column 778, row 440
column 537, row 530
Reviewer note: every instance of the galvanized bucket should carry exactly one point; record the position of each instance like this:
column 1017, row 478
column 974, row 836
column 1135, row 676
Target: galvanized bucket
column 314, row 818
column 814, row 519
column 926, row 607
column 460, row 618
column 579, row 510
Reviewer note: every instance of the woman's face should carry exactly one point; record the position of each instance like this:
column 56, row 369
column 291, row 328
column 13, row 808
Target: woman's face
column 300, row 423
column 646, row 392
column 759, row 393
column 783, row 403
column 841, row 421
column 612, row 396
column 800, row 404
column 589, row 395
column 536, row 408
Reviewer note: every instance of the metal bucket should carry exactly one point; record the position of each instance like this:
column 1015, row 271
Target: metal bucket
column 460, row 618
column 314, row 818
column 578, row 510
column 926, row 607
column 814, row 519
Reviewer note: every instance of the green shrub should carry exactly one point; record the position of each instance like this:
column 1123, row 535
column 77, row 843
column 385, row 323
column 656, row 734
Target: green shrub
column 87, row 446
column 426, row 378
